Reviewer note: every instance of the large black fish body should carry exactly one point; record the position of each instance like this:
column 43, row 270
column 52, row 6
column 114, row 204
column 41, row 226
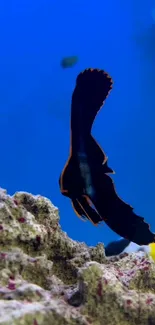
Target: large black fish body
column 85, row 178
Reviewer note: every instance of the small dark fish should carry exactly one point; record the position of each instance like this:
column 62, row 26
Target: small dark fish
column 117, row 247
column 122, row 246
column 69, row 61
column 84, row 178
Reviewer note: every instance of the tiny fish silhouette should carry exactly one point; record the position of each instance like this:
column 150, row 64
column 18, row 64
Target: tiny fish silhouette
column 85, row 178
column 69, row 62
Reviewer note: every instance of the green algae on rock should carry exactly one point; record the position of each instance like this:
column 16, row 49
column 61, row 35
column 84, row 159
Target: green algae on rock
column 48, row 278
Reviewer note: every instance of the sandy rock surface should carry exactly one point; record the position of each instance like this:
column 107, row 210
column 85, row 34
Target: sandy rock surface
column 48, row 278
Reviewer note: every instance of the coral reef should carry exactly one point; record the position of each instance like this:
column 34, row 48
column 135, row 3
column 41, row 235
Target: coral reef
column 48, row 278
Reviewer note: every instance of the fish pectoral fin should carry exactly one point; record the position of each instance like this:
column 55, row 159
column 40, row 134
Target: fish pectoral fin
column 70, row 181
column 78, row 209
column 88, row 211
column 65, row 177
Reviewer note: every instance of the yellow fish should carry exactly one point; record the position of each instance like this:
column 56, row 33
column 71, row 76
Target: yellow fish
column 152, row 250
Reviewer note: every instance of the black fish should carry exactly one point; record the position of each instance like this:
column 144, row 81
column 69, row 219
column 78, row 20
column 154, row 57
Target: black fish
column 84, row 178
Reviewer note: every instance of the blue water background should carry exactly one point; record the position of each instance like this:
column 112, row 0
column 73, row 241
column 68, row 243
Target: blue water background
column 35, row 94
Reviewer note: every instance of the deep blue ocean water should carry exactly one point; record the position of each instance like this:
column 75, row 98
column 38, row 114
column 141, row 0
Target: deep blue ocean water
column 35, row 93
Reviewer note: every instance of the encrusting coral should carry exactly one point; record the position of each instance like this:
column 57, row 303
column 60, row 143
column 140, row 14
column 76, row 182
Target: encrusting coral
column 48, row 278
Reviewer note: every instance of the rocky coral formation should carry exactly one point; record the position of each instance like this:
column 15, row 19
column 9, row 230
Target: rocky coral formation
column 47, row 278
